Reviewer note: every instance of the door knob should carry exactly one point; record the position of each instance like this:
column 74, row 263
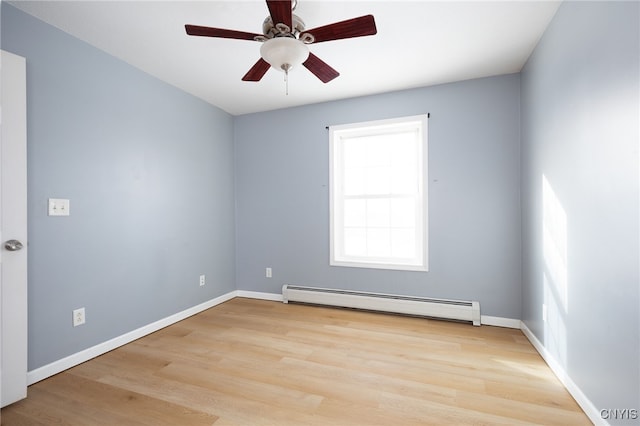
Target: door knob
column 13, row 245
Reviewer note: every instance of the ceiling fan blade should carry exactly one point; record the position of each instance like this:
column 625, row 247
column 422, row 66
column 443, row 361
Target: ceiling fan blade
column 196, row 30
column 280, row 11
column 257, row 71
column 320, row 68
column 355, row 27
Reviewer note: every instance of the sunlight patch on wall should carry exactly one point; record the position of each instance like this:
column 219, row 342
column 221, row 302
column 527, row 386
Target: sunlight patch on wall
column 556, row 303
column 554, row 237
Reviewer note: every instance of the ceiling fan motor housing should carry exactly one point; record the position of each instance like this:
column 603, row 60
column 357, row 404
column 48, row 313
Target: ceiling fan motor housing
column 281, row 30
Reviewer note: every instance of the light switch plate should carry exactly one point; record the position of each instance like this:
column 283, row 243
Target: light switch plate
column 59, row 207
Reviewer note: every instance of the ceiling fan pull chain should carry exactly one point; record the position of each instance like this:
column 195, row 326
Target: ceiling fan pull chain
column 286, row 81
column 286, row 68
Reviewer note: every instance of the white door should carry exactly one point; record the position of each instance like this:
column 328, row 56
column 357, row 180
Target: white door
column 13, row 229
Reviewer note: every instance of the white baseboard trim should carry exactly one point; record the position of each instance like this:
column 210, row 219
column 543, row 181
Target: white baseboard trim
column 587, row 406
column 259, row 295
column 500, row 321
column 56, row 367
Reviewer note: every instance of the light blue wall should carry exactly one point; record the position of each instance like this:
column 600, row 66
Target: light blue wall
column 580, row 97
column 282, row 176
column 149, row 172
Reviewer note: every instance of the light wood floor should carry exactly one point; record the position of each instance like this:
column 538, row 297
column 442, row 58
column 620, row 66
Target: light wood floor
column 252, row 362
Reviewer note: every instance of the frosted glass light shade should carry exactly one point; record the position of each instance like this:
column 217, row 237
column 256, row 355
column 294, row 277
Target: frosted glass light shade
column 284, row 53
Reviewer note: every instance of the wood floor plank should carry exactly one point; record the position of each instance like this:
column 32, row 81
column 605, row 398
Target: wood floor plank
column 254, row 362
column 103, row 398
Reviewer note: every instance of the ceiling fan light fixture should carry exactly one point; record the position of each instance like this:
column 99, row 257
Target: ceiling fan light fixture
column 284, row 53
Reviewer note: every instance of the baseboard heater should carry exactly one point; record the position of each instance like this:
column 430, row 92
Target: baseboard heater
column 408, row 305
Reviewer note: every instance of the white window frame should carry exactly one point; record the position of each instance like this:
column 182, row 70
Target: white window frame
column 338, row 135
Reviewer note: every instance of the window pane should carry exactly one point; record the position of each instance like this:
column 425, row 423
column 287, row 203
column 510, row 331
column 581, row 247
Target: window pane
column 378, row 151
column 404, row 180
column 403, row 213
column 354, row 180
column 378, row 213
column 354, row 151
column 355, row 213
column 378, row 242
column 404, row 161
column 378, row 181
column 403, row 243
column 355, row 242
column 405, row 149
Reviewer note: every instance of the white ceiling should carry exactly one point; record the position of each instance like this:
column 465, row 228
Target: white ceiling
column 419, row 43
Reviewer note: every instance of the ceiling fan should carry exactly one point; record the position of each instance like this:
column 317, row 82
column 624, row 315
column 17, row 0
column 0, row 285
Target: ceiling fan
column 285, row 40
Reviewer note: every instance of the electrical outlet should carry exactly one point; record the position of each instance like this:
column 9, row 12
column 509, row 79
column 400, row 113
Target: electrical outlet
column 78, row 317
column 268, row 273
column 202, row 280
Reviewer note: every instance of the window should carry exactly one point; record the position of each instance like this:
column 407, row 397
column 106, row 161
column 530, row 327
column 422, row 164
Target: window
column 378, row 194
